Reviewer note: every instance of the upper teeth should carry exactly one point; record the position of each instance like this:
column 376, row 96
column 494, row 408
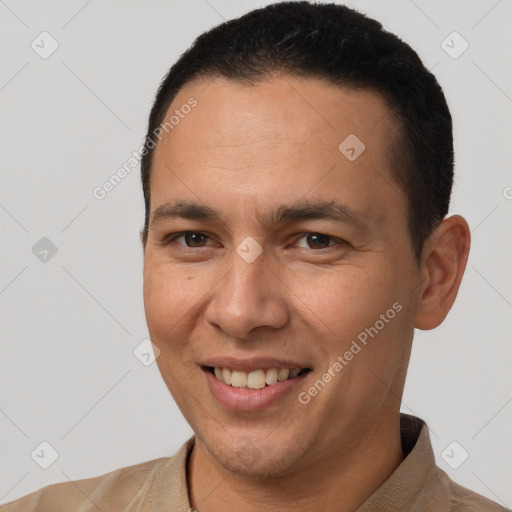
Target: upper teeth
column 256, row 379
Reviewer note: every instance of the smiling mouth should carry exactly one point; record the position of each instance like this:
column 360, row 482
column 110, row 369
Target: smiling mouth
column 257, row 379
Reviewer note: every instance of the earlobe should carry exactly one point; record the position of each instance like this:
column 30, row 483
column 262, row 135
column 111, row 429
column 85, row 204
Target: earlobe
column 443, row 265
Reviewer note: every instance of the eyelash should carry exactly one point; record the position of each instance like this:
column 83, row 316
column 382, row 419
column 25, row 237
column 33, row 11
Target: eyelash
column 170, row 239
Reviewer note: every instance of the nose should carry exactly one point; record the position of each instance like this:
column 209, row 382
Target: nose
column 250, row 295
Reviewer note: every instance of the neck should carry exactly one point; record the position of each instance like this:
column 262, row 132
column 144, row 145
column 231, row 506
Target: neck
column 342, row 478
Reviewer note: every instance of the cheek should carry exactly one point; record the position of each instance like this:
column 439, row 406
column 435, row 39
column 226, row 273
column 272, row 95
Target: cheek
column 169, row 299
column 345, row 301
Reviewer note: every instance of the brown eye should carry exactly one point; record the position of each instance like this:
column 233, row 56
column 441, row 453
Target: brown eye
column 316, row 241
column 192, row 239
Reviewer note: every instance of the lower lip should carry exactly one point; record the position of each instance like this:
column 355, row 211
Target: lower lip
column 250, row 399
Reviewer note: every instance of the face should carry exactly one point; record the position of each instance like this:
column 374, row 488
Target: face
column 272, row 248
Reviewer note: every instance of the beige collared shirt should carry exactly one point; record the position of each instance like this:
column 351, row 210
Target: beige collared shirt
column 160, row 485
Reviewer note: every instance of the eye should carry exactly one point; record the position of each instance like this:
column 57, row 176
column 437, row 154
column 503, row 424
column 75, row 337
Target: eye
column 196, row 239
column 192, row 239
column 319, row 241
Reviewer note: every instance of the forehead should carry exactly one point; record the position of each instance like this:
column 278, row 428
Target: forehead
column 282, row 135
column 286, row 109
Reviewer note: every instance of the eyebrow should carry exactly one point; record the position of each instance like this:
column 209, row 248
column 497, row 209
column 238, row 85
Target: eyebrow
column 299, row 211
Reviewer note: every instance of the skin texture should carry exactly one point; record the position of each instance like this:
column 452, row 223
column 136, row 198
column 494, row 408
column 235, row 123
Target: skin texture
column 245, row 151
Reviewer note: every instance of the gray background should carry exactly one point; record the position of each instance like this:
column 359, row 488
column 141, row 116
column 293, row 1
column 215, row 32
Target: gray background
column 69, row 325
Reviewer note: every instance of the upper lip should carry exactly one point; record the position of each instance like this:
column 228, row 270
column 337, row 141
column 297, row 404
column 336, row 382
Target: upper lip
column 253, row 363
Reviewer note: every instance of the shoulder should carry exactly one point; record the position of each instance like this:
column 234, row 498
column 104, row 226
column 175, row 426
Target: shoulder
column 110, row 491
column 465, row 500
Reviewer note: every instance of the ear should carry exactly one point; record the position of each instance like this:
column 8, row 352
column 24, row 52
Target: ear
column 444, row 259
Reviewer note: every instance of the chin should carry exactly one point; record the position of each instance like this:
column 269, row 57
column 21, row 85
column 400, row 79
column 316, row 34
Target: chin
column 255, row 458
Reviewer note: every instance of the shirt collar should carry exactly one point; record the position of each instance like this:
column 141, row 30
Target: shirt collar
column 409, row 479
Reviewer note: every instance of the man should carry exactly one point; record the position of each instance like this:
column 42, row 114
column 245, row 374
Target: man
column 297, row 176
